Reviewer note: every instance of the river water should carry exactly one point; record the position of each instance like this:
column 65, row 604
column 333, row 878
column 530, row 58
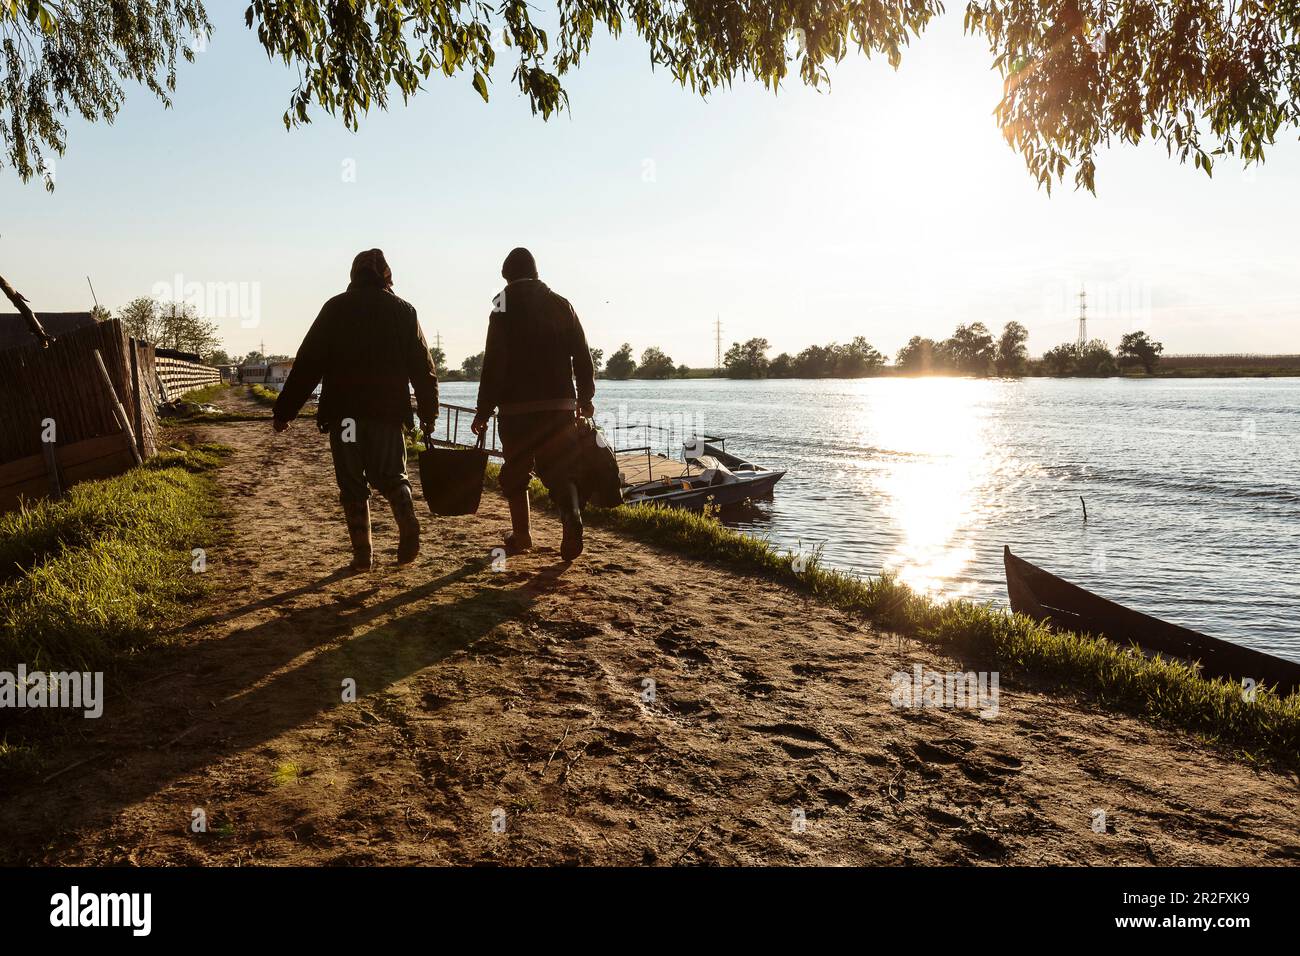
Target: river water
column 1192, row 487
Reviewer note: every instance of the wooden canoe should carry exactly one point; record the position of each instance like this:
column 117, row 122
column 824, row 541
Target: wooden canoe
column 1067, row 607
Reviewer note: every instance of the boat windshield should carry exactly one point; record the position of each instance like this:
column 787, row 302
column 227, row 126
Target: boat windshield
column 714, row 472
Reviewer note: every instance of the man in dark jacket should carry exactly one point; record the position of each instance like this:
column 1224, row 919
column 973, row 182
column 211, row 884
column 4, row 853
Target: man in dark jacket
column 363, row 349
column 535, row 350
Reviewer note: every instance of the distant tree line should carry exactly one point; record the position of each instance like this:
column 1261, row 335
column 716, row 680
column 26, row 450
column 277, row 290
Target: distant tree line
column 1094, row 358
column 179, row 326
column 171, row 325
column 654, row 364
column 970, row 350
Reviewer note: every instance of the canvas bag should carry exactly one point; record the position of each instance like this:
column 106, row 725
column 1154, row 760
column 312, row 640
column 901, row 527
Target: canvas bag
column 597, row 475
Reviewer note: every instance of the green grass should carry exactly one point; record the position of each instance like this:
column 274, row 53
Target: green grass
column 1267, row 728
column 214, row 394
column 263, row 395
column 207, row 394
column 286, row 773
column 96, row 576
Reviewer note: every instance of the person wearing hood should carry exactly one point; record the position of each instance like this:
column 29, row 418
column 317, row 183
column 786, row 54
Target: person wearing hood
column 364, row 350
column 538, row 377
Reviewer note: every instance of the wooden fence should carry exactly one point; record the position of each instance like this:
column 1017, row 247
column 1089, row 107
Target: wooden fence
column 65, row 418
column 181, row 374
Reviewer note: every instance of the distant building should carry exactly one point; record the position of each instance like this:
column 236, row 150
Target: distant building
column 277, row 372
column 254, row 374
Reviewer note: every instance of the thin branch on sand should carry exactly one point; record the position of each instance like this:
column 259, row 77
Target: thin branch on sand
column 555, row 751
column 72, row 766
column 690, row 846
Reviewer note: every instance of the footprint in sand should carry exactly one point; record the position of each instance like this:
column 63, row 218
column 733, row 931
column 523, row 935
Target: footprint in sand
column 796, row 740
column 984, row 845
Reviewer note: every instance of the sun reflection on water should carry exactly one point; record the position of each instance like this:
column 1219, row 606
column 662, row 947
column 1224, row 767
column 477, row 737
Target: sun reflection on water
column 935, row 463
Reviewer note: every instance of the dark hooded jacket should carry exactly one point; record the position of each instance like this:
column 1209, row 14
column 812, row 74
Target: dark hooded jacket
column 535, row 350
column 363, row 350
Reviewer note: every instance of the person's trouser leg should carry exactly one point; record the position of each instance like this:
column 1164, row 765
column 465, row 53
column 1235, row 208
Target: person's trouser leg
column 383, row 449
column 408, row 524
column 517, row 448
column 565, row 497
column 357, row 516
column 557, row 460
column 520, row 537
column 354, row 496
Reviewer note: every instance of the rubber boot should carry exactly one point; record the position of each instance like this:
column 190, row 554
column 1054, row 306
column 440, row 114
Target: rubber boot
column 520, row 538
column 408, row 525
column 566, row 503
column 357, row 514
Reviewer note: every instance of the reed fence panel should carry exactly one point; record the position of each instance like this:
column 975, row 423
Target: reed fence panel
column 59, row 392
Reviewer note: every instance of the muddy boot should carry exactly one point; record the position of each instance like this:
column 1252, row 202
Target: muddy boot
column 408, row 525
column 520, row 539
column 566, row 503
column 357, row 514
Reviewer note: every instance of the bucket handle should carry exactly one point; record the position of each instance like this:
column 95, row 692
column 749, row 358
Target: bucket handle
column 481, row 444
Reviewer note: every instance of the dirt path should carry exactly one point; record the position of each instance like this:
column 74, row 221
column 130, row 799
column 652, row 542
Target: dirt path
column 517, row 698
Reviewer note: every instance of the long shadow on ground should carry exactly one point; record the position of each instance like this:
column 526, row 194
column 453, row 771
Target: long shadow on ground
column 225, row 705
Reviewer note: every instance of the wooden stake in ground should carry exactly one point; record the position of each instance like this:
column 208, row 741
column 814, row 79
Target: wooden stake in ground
column 51, row 454
column 20, row 303
column 118, row 411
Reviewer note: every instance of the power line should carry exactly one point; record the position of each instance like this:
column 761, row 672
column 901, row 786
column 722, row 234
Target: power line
column 1083, row 318
column 717, row 336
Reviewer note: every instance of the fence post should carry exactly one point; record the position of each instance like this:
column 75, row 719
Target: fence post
column 136, row 403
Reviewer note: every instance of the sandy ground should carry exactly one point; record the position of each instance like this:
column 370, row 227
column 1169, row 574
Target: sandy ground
column 503, row 715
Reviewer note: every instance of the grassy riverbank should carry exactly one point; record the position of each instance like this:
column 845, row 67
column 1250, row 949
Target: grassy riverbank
column 1265, row 729
column 96, row 576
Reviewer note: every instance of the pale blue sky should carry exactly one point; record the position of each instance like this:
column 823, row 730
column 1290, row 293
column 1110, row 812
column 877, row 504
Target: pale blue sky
column 886, row 207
